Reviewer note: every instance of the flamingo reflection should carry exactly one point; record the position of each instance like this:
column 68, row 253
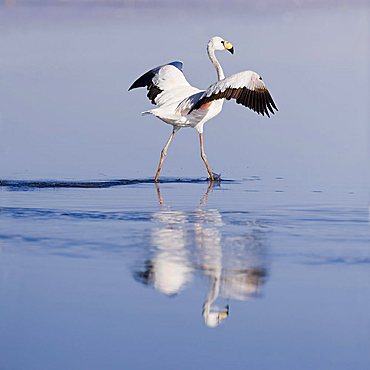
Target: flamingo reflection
column 185, row 243
column 170, row 269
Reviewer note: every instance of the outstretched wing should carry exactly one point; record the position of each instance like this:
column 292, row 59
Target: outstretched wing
column 247, row 88
column 161, row 79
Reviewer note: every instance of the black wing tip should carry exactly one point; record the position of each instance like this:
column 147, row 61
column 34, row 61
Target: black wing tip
column 136, row 84
column 259, row 101
column 146, row 78
column 143, row 80
column 270, row 104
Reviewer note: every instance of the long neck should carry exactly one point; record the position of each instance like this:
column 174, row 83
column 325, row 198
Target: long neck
column 215, row 62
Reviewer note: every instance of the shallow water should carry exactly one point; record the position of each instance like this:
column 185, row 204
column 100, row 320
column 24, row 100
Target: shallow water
column 183, row 275
column 100, row 268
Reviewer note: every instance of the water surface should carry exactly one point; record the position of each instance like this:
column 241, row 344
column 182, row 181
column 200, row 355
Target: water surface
column 102, row 269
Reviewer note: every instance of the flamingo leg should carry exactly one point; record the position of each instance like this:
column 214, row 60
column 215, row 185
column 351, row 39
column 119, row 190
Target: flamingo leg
column 204, row 157
column 164, row 153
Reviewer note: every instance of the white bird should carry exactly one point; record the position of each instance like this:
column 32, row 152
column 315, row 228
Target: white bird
column 182, row 105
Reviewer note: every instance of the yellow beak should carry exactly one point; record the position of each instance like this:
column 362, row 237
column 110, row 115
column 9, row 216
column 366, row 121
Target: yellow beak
column 229, row 46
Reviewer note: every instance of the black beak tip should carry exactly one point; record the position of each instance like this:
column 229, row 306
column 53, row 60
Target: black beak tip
column 231, row 50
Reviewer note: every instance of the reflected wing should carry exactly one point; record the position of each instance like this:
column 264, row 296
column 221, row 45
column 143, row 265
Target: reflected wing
column 161, row 79
column 247, row 88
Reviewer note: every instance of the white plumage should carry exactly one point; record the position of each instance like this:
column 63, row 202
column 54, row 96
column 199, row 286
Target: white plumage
column 182, row 105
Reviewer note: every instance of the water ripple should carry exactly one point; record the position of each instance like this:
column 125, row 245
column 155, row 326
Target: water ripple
column 42, row 213
column 97, row 184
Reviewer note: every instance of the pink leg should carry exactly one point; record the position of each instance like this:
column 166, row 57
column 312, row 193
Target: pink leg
column 203, row 155
column 164, row 152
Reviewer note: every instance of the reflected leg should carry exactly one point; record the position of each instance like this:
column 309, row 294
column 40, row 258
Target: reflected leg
column 164, row 152
column 204, row 199
column 160, row 199
column 203, row 155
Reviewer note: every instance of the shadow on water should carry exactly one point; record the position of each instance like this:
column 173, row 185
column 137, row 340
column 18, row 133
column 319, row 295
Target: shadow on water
column 98, row 184
column 184, row 245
